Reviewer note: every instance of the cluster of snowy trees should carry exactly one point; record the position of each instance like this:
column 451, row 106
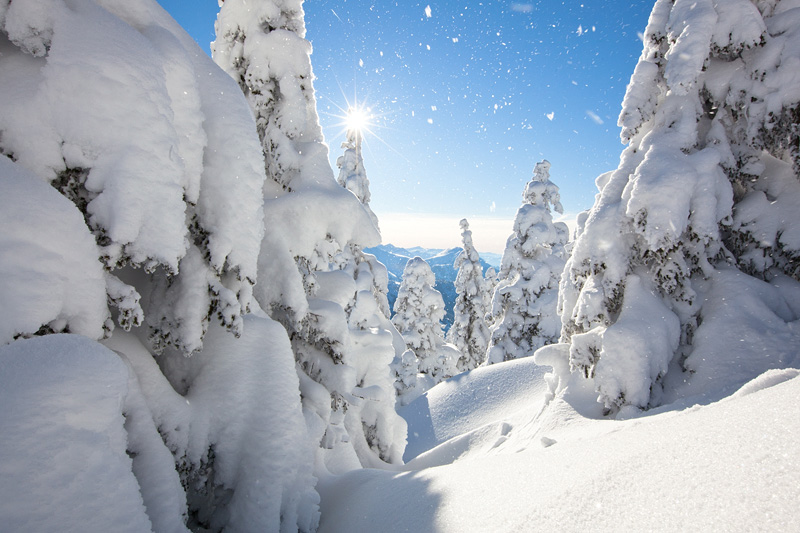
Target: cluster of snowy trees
column 207, row 243
column 235, row 341
column 498, row 316
column 703, row 201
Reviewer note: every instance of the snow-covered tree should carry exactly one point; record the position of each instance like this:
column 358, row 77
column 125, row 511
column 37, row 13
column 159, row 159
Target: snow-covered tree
column 132, row 177
column 407, row 383
column 491, row 279
column 524, row 313
column 262, row 45
column 330, row 296
column 352, row 175
column 708, row 182
column 418, row 313
column 469, row 332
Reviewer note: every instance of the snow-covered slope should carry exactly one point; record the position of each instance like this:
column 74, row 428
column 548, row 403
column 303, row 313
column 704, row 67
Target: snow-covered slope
column 731, row 465
column 471, row 406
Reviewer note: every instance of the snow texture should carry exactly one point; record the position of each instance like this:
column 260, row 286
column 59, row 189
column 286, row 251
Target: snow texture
column 64, row 443
column 728, row 465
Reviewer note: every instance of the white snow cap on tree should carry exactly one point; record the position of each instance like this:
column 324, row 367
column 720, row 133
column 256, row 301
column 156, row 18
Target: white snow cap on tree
column 418, row 312
column 524, row 306
column 469, row 332
column 709, row 179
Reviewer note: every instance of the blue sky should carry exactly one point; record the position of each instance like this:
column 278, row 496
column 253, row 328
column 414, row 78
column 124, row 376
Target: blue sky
column 466, row 97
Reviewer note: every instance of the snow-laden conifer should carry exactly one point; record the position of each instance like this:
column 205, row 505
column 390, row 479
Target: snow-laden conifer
column 157, row 171
column 469, row 332
column 328, row 294
column 352, row 175
column 262, row 45
column 418, row 313
column 705, row 186
column 524, row 306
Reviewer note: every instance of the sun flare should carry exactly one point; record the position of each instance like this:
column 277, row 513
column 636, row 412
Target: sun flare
column 357, row 119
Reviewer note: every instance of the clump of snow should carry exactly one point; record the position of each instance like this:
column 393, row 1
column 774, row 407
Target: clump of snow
column 49, row 272
column 637, row 330
column 66, row 444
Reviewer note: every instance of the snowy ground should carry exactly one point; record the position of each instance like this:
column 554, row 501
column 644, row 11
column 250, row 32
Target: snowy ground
column 730, row 465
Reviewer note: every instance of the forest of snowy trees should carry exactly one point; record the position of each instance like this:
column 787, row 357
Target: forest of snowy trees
column 192, row 333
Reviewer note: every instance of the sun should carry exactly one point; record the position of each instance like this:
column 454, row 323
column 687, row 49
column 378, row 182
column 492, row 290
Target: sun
column 357, row 120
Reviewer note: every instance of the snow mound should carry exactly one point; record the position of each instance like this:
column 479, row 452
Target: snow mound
column 469, row 401
column 64, row 442
column 766, row 380
column 49, row 273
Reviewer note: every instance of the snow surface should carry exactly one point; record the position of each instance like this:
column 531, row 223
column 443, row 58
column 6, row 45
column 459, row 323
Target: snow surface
column 728, row 466
column 471, row 401
column 63, row 457
column 49, row 273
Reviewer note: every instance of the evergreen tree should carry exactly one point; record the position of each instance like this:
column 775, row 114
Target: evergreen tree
column 352, row 175
column 262, row 45
column 407, row 384
column 418, row 313
column 707, row 181
column 469, row 332
column 524, row 307
column 332, row 301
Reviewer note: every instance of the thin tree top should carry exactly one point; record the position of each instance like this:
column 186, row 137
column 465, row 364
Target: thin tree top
column 540, row 191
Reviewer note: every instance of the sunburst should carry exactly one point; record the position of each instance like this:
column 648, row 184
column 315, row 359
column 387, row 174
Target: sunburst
column 357, row 120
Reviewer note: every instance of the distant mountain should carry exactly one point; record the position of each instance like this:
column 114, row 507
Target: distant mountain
column 493, row 259
column 441, row 262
